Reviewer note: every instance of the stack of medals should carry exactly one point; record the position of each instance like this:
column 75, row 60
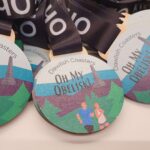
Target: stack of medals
column 73, row 90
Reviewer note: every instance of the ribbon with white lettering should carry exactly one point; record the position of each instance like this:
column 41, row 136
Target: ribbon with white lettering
column 17, row 8
column 32, row 30
column 106, row 13
column 97, row 28
column 13, row 9
column 62, row 33
column 96, row 24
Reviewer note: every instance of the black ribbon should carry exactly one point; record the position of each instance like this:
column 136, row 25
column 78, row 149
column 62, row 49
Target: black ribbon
column 12, row 9
column 5, row 27
column 131, row 6
column 100, row 10
column 17, row 8
column 32, row 31
column 102, row 29
column 62, row 33
column 56, row 22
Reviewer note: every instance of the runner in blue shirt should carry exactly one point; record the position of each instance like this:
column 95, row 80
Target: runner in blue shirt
column 85, row 117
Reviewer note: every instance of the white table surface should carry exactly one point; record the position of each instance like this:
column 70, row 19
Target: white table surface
column 30, row 131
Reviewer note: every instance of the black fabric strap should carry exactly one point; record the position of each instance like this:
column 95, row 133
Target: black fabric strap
column 64, row 24
column 101, row 33
column 32, row 31
column 131, row 6
column 100, row 10
column 62, row 33
column 17, row 8
column 5, row 27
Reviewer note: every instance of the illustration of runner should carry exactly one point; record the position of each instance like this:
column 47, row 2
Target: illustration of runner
column 100, row 116
column 85, row 117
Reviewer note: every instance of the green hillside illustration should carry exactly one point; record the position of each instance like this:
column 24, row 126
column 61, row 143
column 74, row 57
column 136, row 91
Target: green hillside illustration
column 111, row 104
column 11, row 106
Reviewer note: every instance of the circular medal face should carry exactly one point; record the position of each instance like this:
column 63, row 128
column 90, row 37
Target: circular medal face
column 37, row 57
column 130, row 57
column 78, row 93
column 16, row 81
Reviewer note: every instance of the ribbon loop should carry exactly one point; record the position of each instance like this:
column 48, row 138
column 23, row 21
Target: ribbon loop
column 98, row 30
column 62, row 33
column 130, row 6
column 5, row 27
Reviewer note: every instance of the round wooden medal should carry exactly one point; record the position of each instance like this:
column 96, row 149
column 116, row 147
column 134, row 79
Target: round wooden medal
column 129, row 56
column 78, row 93
column 16, row 81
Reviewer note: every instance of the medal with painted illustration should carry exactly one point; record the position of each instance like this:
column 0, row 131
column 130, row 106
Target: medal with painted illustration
column 37, row 57
column 129, row 56
column 16, row 80
column 77, row 93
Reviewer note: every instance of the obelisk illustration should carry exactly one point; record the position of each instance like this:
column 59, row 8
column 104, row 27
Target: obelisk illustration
column 39, row 67
column 9, row 80
column 97, row 81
